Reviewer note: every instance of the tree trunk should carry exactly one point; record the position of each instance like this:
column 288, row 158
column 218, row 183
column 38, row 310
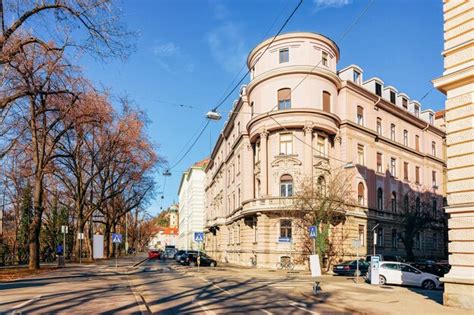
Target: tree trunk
column 107, row 239
column 35, row 226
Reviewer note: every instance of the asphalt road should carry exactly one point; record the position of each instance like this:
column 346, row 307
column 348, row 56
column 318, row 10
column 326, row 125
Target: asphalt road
column 168, row 288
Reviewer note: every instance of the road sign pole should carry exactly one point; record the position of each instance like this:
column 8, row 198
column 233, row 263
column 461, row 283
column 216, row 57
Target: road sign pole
column 116, row 256
column 357, row 271
column 80, row 251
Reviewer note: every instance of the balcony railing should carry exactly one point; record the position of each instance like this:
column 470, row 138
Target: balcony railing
column 267, row 204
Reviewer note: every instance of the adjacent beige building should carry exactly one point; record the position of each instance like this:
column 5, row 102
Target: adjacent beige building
column 457, row 83
column 299, row 116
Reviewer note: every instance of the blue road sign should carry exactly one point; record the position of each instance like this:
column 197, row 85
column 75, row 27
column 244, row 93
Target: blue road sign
column 116, row 238
column 312, row 231
column 199, row 237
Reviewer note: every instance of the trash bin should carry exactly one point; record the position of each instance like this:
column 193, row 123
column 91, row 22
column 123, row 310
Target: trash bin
column 61, row 261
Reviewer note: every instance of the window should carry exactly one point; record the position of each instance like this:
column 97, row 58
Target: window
column 435, row 241
column 322, row 186
column 433, row 178
column 406, row 203
column 238, row 197
column 405, row 170
column 405, row 137
column 433, row 148
column 284, row 98
column 285, row 228
column 392, row 97
column 286, row 144
column 321, row 146
column 360, row 194
column 380, row 240
column 379, row 162
column 324, row 59
column 378, row 89
column 430, row 117
column 326, row 101
column 360, row 154
column 434, row 208
column 360, row 115
column 405, row 103
column 284, row 55
column 416, row 109
column 394, row 201
column 362, row 234
column 394, row 238
column 393, row 167
column 406, row 268
column 380, row 199
column 356, row 77
column 286, row 186
column 417, row 204
column 392, row 132
column 418, row 240
column 391, row 266
column 238, row 164
column 379, row 126
column 417, row 174
column 252, row 109
column 417, row 143
column 255, row 230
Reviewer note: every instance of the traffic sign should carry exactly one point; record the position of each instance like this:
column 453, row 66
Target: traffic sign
column 313, row 232
column 199, row 237
column 116, row 238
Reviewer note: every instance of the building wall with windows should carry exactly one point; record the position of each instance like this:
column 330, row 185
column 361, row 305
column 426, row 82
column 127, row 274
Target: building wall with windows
column 191, row 205
column 298, row 117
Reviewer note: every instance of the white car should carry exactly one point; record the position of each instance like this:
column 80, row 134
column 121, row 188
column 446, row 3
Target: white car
column 399, row 273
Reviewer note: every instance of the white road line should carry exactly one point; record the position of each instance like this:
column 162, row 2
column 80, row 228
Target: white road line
column 302, row 307
column 265, row 311
column 207, row 281
column 19, row 306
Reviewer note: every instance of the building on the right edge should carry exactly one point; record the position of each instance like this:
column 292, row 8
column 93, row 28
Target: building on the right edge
column 457, row 83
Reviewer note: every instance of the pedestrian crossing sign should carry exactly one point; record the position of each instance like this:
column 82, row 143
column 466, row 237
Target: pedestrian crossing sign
column 116, row 238
column 198, row 237
column 312, row 231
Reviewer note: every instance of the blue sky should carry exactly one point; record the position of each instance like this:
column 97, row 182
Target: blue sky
column 189, row 51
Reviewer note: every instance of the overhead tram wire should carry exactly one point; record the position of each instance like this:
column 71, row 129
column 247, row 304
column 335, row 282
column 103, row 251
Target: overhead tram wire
column 256, row 61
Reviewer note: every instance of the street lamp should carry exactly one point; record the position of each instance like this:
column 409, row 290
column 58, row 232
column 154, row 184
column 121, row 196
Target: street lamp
column 213, row 115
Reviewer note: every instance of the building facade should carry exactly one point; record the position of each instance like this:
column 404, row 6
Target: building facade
column 298, row 117
column 164, row 236
column 457, row 83
column 191, row 205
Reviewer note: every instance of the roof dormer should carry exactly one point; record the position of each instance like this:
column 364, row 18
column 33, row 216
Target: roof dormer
column 390, row 94
column 428, row 115
column 403, row 100
column 414, row 107
column 374, row 85
column 352, row 73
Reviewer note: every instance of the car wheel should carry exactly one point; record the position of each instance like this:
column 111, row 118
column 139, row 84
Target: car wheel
column 382, row 280
column 192, row 264
column 428, row 284
column 212, row 264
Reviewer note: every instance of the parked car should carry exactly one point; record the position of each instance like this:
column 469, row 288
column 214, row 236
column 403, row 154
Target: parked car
column 434, row 268
column 154, row 254
column 400, row 273
column 190, row 259
column 349, row 268
column 180, row 252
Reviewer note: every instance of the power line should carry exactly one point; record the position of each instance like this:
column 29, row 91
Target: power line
column 253, row 65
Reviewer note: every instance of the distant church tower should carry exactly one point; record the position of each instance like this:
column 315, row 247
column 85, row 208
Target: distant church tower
column 173, row 213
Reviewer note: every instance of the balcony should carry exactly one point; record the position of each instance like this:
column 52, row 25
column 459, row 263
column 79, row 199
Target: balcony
column 266, row 204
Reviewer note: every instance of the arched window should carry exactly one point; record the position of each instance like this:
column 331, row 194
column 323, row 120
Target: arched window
column 257, row 189
column 394, row 201
column 380, row 199
column 326, row 101
column 417, row 205
column 406, row 203
column 360, row 193
column 360, row 115
column 322, row 186
column 284, row 98
column 286, row 186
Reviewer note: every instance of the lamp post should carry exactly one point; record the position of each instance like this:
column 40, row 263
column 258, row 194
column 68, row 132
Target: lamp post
column 375, row 235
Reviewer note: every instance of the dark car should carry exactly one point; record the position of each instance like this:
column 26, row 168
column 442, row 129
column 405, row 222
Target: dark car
column 181, row 252
column 191, row 260
column 435, row 269
column 349, row 268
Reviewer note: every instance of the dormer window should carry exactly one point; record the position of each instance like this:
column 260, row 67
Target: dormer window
column 430, row 117
column 356, row 77
column 405, row 103
column 284, row 55
column 378, row 89
column 417, row 110
column 392, row 97
column 324, row 59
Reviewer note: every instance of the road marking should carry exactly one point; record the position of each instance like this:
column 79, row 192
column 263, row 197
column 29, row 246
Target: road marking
column 302, row 307
column 19, row 306
column 265, row 311
column 207, row 281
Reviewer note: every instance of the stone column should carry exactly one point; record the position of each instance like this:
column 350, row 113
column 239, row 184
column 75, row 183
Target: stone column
column 247, row 170
column 264, row 163
column 457, row 84
column 308, row 150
